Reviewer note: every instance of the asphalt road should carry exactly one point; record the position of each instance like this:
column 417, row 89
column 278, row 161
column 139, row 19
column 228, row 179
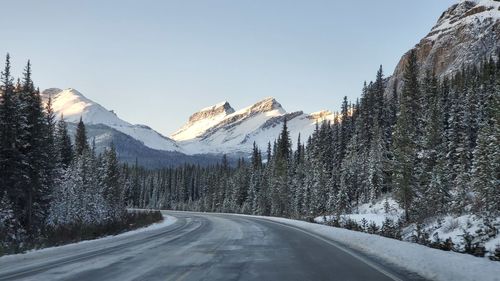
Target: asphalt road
column 204, row 247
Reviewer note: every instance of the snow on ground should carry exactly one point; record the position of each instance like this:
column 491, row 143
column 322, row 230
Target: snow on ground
column 442, row 227
column 375, row 212
column 167, row 221
column 430, row 263
column 455, row 227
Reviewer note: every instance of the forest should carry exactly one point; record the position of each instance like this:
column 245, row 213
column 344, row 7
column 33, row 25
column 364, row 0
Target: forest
column 433, row 145
column 52, row 190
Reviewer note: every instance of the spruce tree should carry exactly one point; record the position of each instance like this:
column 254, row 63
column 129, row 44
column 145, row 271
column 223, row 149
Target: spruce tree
column 113, row 192
column 34, row 148
column 11, row 231
column 486, row 167
column 13, row 176
column 63, row 144
column 81, row 143
column 405, row 138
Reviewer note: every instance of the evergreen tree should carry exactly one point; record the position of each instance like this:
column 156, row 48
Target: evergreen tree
column 13, row 176
column 113, row 192
column 81, row 143
column 486, row 169
column 377, row 164
column 11, row 231
column 63, row 144
column 34, row 148
column 405, row 138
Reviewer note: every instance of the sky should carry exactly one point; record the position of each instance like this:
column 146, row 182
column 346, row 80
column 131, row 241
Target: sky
column 157, row 62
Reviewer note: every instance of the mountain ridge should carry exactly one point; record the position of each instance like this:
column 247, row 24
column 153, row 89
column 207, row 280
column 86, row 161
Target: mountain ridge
column 73, row 105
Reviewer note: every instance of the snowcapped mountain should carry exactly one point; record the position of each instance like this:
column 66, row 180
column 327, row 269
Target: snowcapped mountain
column 213, row 130
column 73, row 105
column 466, row 33
column 221, row 129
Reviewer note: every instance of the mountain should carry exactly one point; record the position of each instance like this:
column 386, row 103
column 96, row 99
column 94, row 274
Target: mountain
column 212, row 131
column 132, row 142
column 73, row 105
column 221, row 129
column 466, row 33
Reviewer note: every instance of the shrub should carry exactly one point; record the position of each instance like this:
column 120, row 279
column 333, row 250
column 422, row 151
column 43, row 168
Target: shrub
column 75, row 232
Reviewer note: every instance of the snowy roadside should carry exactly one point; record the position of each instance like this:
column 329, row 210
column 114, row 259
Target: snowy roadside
column 167, row 221
column 430, row 263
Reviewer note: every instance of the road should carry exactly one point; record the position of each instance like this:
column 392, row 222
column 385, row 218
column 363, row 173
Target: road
column 203, row 247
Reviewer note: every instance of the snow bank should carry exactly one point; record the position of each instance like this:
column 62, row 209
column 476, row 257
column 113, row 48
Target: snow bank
column 454, row 227
column 167, row 221
column 376, row 212
column 430, row 263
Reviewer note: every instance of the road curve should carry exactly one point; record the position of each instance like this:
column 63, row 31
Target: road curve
column 200, row 246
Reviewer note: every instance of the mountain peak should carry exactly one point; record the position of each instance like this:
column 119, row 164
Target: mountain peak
column 465, row 34
column 73, row 105
column 202, row 120
column 222, row 108
column 466, row 13
column 265, row 105
column 50, row 92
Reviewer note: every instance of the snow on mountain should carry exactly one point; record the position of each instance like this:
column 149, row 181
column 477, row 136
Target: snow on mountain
column 215, row 129
column 203, row 120
column 73, row 105
column 229, row 131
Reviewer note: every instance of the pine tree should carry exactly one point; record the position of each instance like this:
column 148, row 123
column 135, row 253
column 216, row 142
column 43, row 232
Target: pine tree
column 34, row 148
column 11, row 231
column 113, row 192
column 81, row 143
column 377, row 164
column 405, row 138
column 50, row 144
column 63, row 144
column 486, row 167
column 12, row 161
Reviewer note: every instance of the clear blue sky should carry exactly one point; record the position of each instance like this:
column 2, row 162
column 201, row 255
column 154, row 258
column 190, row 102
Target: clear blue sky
column 156, row 62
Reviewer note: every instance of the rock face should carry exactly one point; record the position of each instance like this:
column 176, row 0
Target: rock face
column 202, row 120
column 210, row 112
column 321, row 115
column 466, row 33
